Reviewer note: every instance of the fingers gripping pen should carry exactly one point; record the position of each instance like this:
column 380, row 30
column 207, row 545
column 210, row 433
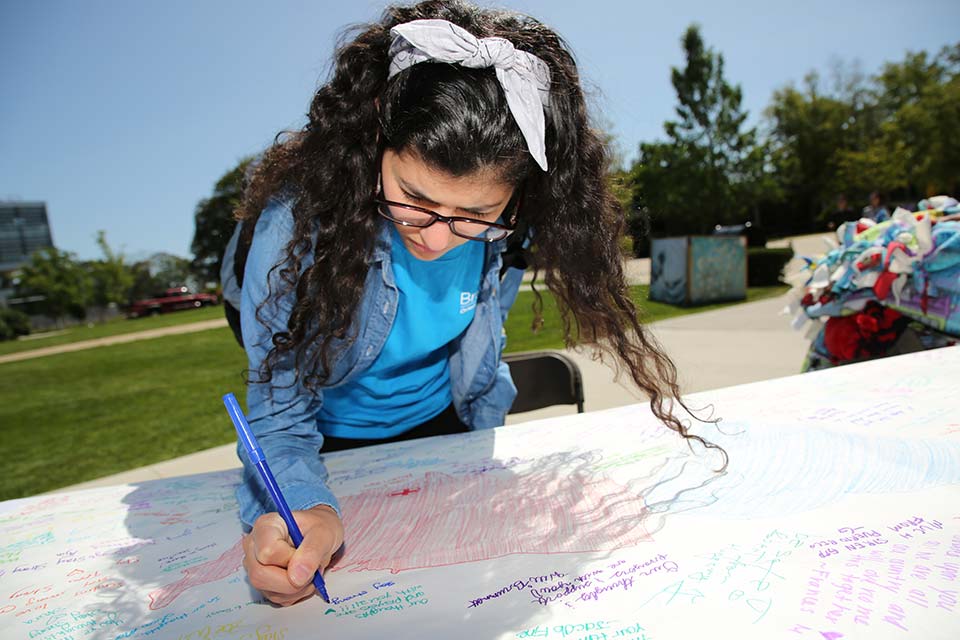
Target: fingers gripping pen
column 255, row 453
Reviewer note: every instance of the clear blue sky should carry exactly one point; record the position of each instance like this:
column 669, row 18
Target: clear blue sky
column 122, row 115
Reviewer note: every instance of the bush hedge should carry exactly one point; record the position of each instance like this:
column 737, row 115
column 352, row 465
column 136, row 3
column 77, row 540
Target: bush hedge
column 765, row 266
column 13, row 323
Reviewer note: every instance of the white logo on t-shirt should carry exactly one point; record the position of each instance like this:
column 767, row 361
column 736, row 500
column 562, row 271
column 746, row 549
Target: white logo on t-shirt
column 468, row 301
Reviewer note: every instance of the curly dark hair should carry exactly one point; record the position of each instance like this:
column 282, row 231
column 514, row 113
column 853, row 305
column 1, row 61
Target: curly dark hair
column 456, row 120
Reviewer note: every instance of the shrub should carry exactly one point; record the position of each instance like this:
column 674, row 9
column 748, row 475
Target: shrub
column 765, row 266
column 13, row 323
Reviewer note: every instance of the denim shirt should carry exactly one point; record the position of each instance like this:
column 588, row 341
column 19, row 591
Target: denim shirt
column 285, row 421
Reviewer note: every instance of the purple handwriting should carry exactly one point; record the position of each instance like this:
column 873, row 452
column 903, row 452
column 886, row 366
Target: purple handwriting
column 553, row 592
column 915, row 526
column 518, row 585
column 582, row 587
column 885, row 584
column 348, row 598
column 853, row 539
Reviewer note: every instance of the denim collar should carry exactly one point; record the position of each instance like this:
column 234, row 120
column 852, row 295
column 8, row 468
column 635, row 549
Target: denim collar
column 382, row 243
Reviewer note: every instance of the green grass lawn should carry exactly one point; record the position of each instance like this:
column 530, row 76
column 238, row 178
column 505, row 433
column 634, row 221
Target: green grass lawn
column 111, row 328
column 520, row 338
column 76, row 416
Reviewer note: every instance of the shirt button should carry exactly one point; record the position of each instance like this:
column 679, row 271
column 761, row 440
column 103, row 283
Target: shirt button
column 386, row 307
column 369, row 350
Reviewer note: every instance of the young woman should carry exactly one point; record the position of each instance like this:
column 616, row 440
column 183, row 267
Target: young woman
column 374, row 292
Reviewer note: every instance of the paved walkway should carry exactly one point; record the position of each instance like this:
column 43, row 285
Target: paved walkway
column 109, row 340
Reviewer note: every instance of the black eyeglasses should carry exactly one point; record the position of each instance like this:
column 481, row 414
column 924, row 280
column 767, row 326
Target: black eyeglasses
column 470, row 228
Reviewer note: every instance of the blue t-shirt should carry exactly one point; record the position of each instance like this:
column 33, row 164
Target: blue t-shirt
column 409, row 382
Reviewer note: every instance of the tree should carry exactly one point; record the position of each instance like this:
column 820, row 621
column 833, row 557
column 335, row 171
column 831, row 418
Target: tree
column 807, row 130
column 159, row 272
column 710, row 170
column 618, row 178
column 143, row 285
column 171, row 271
column 893, row 133
column 920, row 99
column 62, row 282
column 214, row 222
column 110, row 277
column 903, row 83
column 664, row 179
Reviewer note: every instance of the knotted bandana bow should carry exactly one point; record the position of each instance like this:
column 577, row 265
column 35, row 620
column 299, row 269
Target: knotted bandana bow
column 524, row 77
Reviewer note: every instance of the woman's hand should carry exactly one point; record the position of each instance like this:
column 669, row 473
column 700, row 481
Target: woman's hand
column 282, row 572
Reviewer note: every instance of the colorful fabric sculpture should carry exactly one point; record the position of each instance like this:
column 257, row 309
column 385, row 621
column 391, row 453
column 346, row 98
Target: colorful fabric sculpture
column 881, row 277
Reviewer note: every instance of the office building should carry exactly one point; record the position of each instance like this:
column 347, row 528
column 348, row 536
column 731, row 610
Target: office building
column 24, row 228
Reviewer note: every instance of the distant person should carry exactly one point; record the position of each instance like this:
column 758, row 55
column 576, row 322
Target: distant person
column 843, row 213
column 876, row 210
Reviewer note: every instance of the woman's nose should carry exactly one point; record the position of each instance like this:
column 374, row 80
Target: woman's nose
column 437, row 236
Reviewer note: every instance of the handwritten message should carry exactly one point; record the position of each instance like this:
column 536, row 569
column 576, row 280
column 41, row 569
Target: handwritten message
column 590, row 630
column 887, row 583
column 588, row 586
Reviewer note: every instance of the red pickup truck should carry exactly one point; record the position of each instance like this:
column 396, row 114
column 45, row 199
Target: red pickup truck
column 175, row 299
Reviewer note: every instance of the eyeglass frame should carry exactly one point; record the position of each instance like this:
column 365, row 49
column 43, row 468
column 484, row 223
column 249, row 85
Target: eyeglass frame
column 449, row 220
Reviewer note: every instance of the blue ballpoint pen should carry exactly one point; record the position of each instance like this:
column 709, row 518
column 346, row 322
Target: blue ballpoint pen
column 257, row 458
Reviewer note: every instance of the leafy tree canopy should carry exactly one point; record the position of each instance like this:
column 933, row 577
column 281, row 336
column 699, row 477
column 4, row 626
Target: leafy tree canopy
column 214, row 222
column 111, row 278
column 60, row 280
column 711, row 168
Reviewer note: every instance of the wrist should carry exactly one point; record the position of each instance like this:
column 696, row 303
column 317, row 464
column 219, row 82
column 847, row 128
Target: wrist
column 323, row 508
column 327, row 517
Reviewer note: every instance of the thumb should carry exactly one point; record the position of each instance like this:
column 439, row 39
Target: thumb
column 310, row 556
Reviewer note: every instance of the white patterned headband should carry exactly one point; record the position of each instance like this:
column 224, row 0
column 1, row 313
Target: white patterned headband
column 524, row 77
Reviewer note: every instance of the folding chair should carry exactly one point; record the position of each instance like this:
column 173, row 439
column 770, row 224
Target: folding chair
column 543, row 379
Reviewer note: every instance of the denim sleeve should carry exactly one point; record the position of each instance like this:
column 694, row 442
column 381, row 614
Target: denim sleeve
column 509, row 288
column 490, row 409
column 282, row 413
column 228, row 280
